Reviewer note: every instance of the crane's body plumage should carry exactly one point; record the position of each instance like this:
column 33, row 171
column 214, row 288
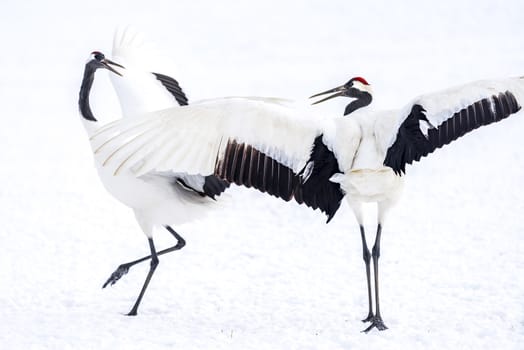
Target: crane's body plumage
column 156, row 197
column 360, row 150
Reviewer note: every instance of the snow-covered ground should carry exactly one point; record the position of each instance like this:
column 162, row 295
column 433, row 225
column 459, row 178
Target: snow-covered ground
column 260, row 273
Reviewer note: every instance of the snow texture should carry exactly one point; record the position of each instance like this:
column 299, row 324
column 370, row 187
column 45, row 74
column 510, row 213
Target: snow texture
column 259, row 273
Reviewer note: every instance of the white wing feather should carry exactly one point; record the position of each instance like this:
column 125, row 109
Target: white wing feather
column 189, row 139
column 138, row 89
column 131, row 47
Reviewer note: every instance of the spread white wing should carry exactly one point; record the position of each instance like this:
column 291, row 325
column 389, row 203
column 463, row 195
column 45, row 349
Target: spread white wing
column 252, row 142
column 191, row 139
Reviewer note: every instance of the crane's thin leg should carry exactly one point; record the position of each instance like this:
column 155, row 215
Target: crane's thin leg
column 124, row 268
column 152, row 268
column 377, row 320
column 367, row 259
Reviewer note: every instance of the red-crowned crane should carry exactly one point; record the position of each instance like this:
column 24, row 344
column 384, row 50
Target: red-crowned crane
column 140, row 91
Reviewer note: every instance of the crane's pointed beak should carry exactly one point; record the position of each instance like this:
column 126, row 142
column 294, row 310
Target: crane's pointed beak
column 107, row 65
column 338, row 91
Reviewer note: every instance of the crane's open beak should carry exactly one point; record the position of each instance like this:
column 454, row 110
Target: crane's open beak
column 106, row 64
column 338, row 91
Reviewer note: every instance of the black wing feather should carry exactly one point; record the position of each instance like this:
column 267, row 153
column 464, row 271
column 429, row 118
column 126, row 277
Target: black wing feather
column 173, row 87
column 244, row 165
column 317, row 190
column 411, row 144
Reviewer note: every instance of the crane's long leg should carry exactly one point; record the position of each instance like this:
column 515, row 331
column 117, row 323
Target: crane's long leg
column 367, row 259
column 124, row 268
column 377, row 320
column 152, row 268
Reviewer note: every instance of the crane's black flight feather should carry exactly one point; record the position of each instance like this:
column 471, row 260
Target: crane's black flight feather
column 244, row 165
column 173, row 87
column 411, row 144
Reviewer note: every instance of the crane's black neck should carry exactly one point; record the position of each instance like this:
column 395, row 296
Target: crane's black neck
column 85, row 89
column 363, row 99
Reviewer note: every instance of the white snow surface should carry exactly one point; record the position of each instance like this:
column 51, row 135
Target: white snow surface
column 260, row 273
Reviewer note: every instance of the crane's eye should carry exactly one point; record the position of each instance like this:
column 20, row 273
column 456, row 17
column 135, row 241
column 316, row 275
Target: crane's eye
column 97, row 55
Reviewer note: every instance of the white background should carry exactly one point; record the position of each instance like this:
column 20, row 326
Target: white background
column 260, row 273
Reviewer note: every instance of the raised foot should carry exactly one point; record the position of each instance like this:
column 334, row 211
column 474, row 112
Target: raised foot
column 377, row 323
column 115, row 276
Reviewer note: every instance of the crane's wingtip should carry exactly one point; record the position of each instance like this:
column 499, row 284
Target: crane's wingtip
column 330, row 216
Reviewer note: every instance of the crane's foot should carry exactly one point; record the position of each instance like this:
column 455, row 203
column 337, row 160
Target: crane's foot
column 377, row 323
column 133, row 312
column 115, row 276
column 369, row 318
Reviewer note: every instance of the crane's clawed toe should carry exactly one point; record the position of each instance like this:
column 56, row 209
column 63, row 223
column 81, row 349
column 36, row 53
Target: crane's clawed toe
column 369, row 318
column 376, row 322
column 115, row 276
column 133, row 312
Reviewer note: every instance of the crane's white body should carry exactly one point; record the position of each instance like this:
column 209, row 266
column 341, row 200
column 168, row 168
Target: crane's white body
column 360, row 146
column 155, row 200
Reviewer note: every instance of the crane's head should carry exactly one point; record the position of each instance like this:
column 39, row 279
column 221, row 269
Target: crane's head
column 99, row 60
column 356, row 87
